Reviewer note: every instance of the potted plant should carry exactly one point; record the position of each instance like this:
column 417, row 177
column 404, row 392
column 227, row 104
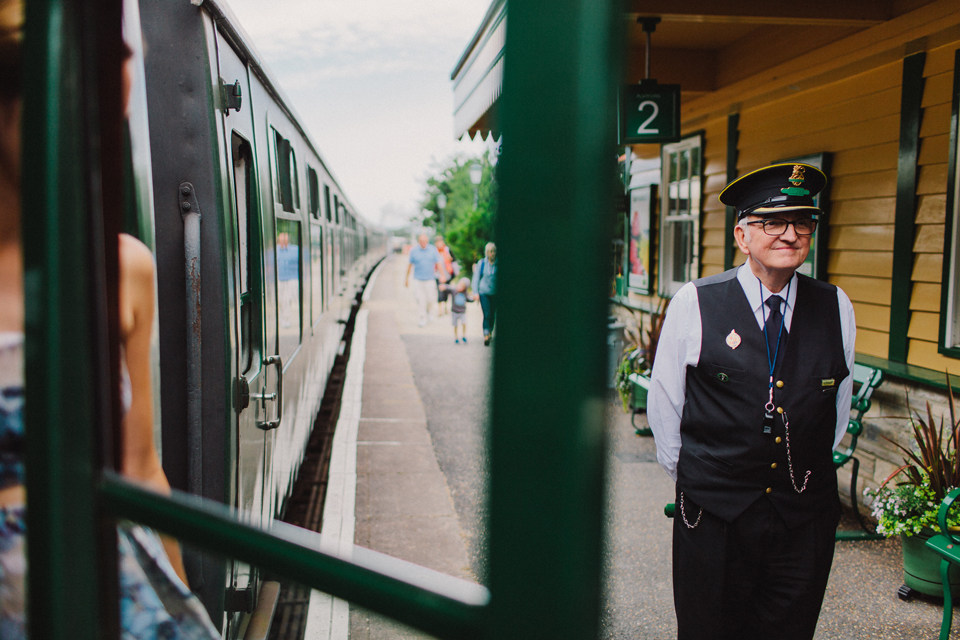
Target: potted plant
column 633, row 375
column 906, row 503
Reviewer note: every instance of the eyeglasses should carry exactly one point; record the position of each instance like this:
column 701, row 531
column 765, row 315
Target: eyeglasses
column 778, row 227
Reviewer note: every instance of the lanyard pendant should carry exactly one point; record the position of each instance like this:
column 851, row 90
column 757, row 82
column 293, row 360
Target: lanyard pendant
column 768, row 411
column 767, row 422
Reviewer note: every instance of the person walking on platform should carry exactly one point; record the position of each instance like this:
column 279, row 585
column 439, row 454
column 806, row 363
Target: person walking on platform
column 445, row 274
column 424, row 262
column 485, row 284
column 750, row 394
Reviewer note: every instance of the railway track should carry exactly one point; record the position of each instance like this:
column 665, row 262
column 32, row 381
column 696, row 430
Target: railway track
column 305, row 504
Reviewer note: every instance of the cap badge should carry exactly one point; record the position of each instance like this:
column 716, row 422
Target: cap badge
column 797, row 176
column 733, row 340
column 797, row 179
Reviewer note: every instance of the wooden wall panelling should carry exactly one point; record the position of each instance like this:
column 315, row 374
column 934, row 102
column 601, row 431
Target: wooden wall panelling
column 873, row 80
column 861, row 134
column 924, row 354
column 925, row 297
column 872, row 185
column 861, row 263
column 864, row 211
column 938, row 89
column 924, row 326
column 874, row 237
column 927, row 267
column 827, row 116
column 872, row 343
column 878, row 157
column 872, row 316
column 934, row 150
column 929, row 239
column 933, row 180
column 864, row 289
column 936, row 120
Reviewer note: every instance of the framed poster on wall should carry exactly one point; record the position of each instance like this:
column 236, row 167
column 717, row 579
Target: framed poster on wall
column 815, row 265
column 642, row 200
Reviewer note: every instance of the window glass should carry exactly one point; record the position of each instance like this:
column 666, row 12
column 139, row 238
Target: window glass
column 288, row 286
column 284, row 176
column 680, row 214
column 316, row 270
column 326, row 199
column 314, row 195
column 242, row 184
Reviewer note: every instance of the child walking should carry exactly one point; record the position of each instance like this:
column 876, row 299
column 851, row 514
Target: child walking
column 458, row 307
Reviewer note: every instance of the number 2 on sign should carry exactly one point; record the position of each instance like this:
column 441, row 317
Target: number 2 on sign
column 643, row 127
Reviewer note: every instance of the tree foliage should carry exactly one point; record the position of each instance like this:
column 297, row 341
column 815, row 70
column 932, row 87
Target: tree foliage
column 465, row 229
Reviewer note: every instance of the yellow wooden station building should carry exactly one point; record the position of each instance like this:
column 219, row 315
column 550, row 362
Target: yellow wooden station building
column 867, row 90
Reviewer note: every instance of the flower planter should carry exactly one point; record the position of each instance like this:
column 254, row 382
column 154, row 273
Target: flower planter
column 921, row 566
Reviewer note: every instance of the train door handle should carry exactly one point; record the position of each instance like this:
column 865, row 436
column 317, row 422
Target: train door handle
column 267, row 425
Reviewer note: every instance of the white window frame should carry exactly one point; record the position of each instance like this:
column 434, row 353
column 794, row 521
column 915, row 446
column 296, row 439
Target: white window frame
column 671, row 278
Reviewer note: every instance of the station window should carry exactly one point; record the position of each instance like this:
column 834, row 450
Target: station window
column 680, row 203
column 314, row 195
column 949, row 343
column 288, row 286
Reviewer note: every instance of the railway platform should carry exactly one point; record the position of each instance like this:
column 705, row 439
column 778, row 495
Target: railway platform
column 415, row 490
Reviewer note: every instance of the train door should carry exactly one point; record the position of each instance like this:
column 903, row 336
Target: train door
column 247, row 310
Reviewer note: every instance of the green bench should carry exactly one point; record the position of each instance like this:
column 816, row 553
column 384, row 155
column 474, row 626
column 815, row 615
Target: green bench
column 865, row 380
column 947, row 545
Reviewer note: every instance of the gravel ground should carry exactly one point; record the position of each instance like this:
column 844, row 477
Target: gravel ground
column 861, row 598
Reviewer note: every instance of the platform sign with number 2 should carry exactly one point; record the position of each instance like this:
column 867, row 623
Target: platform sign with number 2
column 649, row 112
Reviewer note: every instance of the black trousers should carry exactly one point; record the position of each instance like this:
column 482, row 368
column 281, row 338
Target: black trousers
column 753, row 577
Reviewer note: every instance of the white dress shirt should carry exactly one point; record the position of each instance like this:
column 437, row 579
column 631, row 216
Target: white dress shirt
column 679, row 346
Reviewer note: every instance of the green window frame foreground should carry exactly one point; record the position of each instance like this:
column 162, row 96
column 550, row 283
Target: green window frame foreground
column 546, row 439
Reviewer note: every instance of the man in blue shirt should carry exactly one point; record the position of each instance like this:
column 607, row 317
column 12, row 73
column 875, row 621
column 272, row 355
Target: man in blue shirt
column 424, row 262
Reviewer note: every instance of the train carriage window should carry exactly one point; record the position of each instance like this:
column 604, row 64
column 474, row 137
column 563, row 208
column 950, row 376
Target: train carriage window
column 245, row 260
column 286, row 173
column 316, row 271
column 314, row 194
column 336, row 209
column 289, row 292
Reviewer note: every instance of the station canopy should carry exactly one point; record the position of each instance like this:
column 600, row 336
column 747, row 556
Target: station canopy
column 702, row 45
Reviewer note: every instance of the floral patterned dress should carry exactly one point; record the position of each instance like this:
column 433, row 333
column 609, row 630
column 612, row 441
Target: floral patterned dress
column 154, row 603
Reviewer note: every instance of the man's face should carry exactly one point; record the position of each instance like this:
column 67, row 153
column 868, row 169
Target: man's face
column 785, row 252
column 423, row 240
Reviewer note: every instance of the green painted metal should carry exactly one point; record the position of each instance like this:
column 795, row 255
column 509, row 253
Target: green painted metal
column 453, row 610
column 733, row 139
column 547, row 438
column 949, row 260
column 910, row 116
column 937, row 379
column 60, row 368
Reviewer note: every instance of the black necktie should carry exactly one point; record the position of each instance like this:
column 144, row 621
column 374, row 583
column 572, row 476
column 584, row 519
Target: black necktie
column 772, row 325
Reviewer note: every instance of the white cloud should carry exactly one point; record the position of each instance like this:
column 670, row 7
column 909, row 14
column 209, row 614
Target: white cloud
column 371, row 80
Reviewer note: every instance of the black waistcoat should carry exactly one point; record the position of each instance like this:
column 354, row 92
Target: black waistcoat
column 726, row 460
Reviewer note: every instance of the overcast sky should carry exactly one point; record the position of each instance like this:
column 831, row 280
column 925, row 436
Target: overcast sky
column 371, row 81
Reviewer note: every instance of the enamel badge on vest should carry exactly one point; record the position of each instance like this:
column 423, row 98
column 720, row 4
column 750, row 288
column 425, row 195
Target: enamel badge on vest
column 733, row 340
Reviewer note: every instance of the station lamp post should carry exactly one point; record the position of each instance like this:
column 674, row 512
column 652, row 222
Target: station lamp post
column 442, row 204
column 476, row 175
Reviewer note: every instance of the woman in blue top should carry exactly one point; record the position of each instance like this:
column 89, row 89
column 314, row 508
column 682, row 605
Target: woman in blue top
column 485, row 284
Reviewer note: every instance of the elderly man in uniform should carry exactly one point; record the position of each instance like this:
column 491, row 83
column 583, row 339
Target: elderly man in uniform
column 750, row 395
